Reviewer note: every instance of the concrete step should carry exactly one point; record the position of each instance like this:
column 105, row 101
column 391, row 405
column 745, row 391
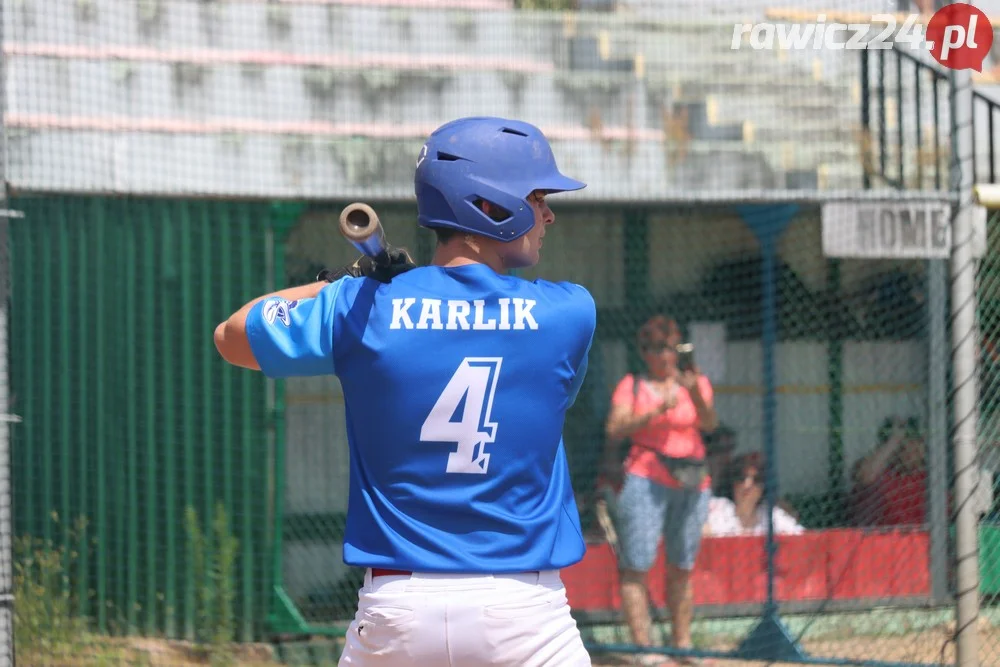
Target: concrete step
column 801, row 132
column 747, row 72
column 289, row 93
column 774, row 111
column 231, row 99
column 141, row 88
column 774, row 118
column 319, row 29
column 790, row 88
column 329, row 28
column 747, row 8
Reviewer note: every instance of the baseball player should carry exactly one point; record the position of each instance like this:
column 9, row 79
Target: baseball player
column 456, row 379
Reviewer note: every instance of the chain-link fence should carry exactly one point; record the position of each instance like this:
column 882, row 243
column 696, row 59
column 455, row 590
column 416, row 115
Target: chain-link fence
column 835, row 369
column 987, row 321
column 6, row 419
column 854, row 524
column 175, row 158
column 850, row 348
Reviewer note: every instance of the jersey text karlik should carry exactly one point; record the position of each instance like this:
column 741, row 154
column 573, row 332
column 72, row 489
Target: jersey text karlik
column 423, row 313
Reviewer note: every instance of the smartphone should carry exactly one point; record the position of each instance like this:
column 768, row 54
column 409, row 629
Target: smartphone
column 685, row 357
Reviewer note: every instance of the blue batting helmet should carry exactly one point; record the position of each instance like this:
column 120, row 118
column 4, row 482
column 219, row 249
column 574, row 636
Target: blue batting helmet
column 500, row 161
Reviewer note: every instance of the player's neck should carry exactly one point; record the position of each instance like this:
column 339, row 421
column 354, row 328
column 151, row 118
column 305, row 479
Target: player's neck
column 461, row 251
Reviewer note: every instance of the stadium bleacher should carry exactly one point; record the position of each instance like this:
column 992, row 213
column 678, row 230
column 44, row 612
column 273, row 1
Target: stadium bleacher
column 672, row 88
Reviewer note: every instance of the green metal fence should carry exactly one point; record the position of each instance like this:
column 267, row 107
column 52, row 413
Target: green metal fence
column 129, row 416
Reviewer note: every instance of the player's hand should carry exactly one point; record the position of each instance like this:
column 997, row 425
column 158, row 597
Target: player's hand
column 400, row 262
column 365, row 266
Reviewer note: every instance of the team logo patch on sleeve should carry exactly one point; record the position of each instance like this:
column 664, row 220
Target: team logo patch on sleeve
column 279, row 310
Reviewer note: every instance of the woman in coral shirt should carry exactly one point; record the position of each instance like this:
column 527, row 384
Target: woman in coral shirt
column 666, row 489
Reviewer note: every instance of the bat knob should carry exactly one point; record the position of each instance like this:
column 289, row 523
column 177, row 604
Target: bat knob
column 358, row 222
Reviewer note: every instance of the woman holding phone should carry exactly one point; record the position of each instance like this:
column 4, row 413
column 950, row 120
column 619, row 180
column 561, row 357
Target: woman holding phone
column 665, row 486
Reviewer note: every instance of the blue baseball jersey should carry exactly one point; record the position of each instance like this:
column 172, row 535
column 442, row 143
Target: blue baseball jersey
column 456, row 383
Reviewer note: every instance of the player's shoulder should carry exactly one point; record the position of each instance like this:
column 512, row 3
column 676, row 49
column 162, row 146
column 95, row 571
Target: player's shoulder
column 572, row 302
column 569, row 293
column 340, row 289
column 340, row 295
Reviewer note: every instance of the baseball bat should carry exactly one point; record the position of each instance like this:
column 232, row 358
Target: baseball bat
column 360, row 225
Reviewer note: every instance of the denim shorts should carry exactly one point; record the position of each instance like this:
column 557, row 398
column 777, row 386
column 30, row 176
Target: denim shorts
column 646, row 511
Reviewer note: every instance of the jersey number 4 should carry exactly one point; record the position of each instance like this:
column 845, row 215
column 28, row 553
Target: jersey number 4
column 461, row 415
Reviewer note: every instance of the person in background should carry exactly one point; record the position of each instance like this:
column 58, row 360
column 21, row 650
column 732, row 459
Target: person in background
column 719, row 448
column 741, row 509
column 890, row 483
column 666, row 488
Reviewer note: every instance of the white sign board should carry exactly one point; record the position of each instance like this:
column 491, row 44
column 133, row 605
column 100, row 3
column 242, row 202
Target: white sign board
column 709, row 339
column 893, row 230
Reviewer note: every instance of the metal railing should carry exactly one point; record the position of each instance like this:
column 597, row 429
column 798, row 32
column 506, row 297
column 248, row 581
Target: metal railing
column 903, row 86
column 981, row 101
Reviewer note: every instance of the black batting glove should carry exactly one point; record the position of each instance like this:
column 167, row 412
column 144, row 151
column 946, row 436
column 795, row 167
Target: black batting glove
column 364, row 266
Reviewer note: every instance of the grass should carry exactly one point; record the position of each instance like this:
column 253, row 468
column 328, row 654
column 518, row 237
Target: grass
column 49, row 628
column 100, row 651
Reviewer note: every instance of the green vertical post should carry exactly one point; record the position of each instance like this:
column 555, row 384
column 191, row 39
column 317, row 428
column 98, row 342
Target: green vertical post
column 186, row 249
column 835, row 380
column 208, row 288
column 85, row 354
column 168, row 396
column 278, row 417
column 228, row 300
column 770, row 639
column 283, row 218
column 99, row 221
column 151, row 388
column 29, row 416
column 636, row 279
column 131, row 311
column 46, row 230
column 117, row 218
column 65, row 398
column 247, row 240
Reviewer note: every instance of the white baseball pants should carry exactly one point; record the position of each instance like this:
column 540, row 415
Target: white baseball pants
column 445, row 620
